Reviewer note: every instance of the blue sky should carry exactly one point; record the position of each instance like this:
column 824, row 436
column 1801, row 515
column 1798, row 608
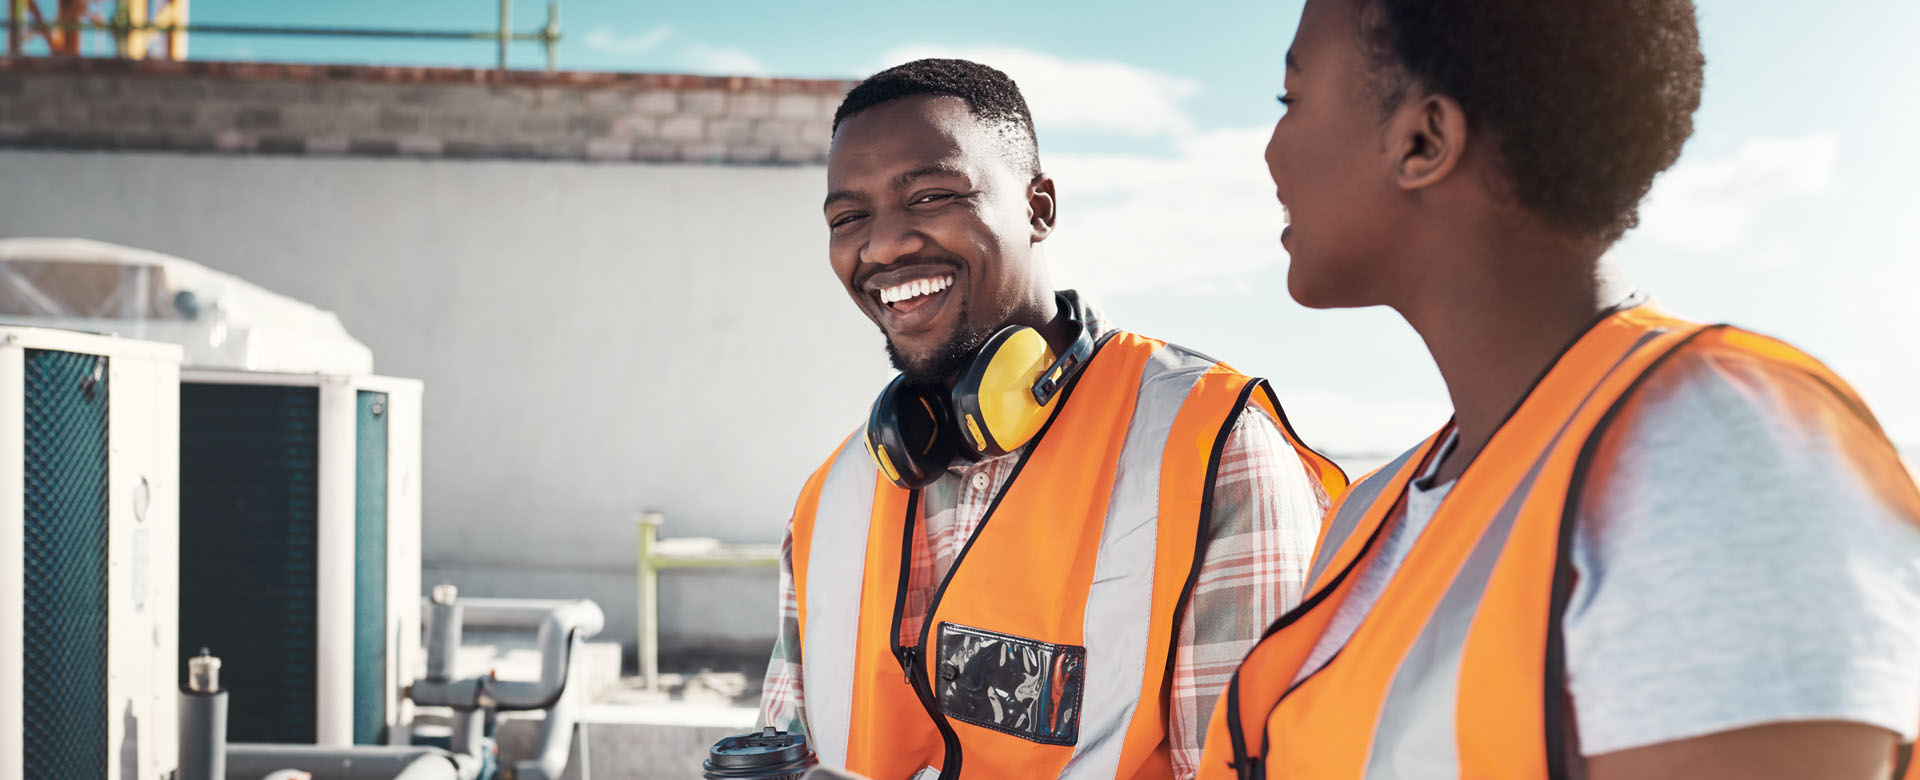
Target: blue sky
column 1792, row 211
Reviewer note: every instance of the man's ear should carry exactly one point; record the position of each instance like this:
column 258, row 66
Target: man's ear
column 1428, row 136
column 1042, row 208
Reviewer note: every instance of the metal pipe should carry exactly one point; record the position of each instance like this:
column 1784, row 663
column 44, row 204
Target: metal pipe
column 250, row 29
column 123, row 37
column 506, row 28
column 459, row 694
column 444, row 622
column 560, row 624
column 563, row 628
column 176, row 43
column 251, row 762
column 558, row 731
column 648, row 581
column 16, row 32
column 531, row 613
column 552, row 35
column 581, row 738
column 203, row 721
column 468, row 766
column 469, row 732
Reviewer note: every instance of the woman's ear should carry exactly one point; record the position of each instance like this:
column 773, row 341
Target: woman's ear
column 1429, row 136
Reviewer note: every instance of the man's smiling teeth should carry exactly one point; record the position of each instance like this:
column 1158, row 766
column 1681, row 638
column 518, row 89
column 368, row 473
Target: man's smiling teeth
column 914, row 289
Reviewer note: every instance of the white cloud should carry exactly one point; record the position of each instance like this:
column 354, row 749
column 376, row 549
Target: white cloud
column 723, row 60
column 693, row 55
column 1198, row 222
column 1908, row 258
column 604, row 39
column 1709, row 207
column 1094, row 95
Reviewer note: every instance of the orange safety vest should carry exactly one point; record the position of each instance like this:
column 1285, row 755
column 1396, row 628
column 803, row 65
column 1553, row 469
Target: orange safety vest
column 1046, row 652
column 1458, row 669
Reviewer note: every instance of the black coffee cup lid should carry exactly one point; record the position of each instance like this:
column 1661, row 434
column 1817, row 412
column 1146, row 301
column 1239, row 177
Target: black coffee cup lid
column 769, row 753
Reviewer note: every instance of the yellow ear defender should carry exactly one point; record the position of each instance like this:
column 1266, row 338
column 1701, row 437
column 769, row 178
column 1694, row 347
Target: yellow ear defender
column 995, row 407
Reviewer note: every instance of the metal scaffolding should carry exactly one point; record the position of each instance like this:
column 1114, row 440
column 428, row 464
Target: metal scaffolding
column 137, row 25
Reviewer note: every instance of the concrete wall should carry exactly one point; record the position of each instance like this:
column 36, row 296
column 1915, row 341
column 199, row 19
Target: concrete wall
column 271, row 108
column 595, row 338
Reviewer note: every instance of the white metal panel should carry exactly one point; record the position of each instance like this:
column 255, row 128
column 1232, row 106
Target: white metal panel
column 389, row 384
column 403, row 548
column 333, row 677
column 374, row 382
column 13, row 586
column 126, row 713
column 164, row 513
column 143, row 413
column 87, row 343
column 213, row 376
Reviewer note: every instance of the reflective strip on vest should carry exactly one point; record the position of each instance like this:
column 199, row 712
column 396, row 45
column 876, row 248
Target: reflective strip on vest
column 1353, row 508
column 833, row 617
column 1417, row 735
column 1118, row 605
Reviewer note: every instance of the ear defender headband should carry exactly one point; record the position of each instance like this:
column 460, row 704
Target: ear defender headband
column 997, row 405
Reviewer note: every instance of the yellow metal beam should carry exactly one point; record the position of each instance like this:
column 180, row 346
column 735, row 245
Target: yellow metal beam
column 174, row 15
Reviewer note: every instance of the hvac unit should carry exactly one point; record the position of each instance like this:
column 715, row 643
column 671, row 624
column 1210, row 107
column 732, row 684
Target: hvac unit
column 89, row 530
column 300, row 566
column 222, row 321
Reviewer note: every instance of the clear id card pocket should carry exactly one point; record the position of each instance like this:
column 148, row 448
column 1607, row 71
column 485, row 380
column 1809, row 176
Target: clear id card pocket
column 1023, row 687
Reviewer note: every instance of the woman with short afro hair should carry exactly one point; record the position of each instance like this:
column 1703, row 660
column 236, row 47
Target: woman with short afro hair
column 1643, row 547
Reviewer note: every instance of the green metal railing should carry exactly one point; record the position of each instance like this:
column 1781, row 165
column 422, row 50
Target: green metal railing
column 18, row 26
column 680, row 554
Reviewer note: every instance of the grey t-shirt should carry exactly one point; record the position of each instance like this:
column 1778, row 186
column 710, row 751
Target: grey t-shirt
column 1748, row 552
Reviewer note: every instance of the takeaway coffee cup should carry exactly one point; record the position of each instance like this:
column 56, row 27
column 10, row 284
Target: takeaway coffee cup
column 768, row 755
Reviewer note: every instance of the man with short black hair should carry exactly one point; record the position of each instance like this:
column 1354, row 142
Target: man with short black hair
column 1052, row 539
column 1644, row 548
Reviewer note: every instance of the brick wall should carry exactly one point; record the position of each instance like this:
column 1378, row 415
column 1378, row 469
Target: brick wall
column 260, row 108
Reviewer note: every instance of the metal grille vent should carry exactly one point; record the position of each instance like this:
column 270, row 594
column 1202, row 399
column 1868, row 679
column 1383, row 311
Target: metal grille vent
column 65, row 641
column 249, row 584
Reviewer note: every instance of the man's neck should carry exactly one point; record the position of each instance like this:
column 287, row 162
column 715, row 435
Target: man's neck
column 1495, row 317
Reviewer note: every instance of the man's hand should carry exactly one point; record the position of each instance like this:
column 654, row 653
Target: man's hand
column 1832, row 750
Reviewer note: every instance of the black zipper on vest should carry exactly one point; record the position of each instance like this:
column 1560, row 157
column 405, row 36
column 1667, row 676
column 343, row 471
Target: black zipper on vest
column 910, row 655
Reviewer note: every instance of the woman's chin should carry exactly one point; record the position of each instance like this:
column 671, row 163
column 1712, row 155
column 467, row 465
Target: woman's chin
column 1303, row 286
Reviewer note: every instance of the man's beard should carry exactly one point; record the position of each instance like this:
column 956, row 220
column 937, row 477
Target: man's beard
column 946, row 361
column 944, row 364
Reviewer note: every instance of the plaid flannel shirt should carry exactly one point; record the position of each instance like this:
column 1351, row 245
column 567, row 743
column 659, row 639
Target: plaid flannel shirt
column 1267, row 508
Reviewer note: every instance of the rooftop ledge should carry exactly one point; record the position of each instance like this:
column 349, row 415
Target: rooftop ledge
column 390, row 74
